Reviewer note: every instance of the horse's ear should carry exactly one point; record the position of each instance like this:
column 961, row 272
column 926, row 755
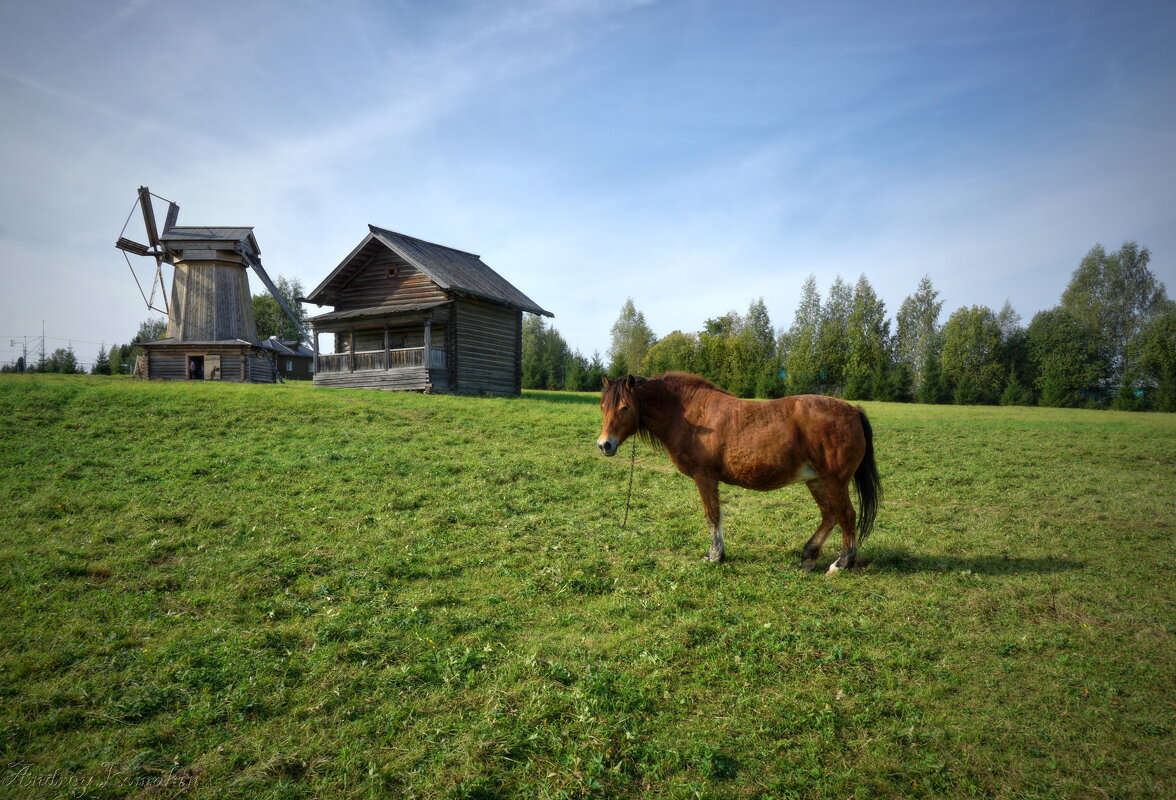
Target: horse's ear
column 606, row 381
column 629, row 381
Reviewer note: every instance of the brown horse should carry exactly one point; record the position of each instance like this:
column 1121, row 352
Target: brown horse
column 714, row 437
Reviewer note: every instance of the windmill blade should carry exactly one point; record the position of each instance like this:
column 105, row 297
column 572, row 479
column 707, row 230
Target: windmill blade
column 155, row 248
column 255, row 262
column 149, row 216
column 173, row 213
column 127, row 245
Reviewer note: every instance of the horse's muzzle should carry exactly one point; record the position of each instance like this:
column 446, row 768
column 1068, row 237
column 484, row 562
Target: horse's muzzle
column 607, row 447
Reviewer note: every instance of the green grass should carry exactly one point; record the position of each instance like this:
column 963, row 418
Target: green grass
column 217, row 590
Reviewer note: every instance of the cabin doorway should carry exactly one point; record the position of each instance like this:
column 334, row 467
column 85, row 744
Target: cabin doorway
column 195, row 368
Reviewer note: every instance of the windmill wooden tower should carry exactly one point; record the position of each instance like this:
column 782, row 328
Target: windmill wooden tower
column 211, row 332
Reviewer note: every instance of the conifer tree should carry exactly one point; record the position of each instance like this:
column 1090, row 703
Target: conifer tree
column 631, row 340
column 832, row 336
column 867, row 338
column 918, row 328
column 101, row 362
column 801, row 361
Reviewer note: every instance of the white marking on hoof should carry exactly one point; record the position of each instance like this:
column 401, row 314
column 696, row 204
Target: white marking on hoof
column 833, row 568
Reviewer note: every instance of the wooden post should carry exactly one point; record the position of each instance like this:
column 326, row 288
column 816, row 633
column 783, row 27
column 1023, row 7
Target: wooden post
column 452, row 341
column 428, row 340
column 351, row 349
column 387, row 348
column 314, row 359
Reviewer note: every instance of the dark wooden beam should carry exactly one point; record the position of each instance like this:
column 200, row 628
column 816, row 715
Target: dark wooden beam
column 173, row 214
column 148, row 216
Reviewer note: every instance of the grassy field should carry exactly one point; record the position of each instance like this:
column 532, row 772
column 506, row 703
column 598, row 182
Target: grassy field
column 217, row 590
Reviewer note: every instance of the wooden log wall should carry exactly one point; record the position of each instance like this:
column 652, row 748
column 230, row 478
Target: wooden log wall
column 171, row 364
column 373, row 286
column 260, row 370
column 413, row 379
column 487, row 347
column 168, row 366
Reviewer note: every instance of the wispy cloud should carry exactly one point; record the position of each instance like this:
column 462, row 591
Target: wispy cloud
column 117, row 18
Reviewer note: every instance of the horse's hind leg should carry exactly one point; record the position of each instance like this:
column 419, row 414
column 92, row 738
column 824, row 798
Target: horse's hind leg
column 708, row 489
column 847, row 519
column 812, row 550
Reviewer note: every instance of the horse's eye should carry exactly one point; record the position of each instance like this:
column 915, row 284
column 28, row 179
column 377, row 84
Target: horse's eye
column 624, row 409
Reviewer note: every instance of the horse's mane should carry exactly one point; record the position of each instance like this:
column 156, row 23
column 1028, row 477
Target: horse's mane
column 687, row 382
column 683, row 383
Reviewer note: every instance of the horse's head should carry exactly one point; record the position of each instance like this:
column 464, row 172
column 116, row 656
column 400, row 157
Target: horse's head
column 622, row 415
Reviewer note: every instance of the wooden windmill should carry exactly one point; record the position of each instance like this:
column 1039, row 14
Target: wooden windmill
column 211, row 331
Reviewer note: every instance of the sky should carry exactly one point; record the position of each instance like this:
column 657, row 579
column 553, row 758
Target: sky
column 690, row 155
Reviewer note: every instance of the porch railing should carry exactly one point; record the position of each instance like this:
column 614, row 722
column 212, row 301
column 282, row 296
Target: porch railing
column 397, row 358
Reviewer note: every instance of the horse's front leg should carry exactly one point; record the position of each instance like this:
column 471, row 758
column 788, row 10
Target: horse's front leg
column 708, row 489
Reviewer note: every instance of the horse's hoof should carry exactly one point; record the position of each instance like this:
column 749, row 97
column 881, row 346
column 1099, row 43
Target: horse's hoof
column 808, row 566
column 714, row 559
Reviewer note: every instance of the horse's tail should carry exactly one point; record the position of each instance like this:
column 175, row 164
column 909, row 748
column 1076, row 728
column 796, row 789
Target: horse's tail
column 867, row 483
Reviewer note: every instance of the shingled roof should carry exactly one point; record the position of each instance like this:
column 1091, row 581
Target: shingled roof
column 210, row 235
column 453, row 270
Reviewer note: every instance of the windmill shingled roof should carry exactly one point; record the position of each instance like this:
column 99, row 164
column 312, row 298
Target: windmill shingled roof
column 201, row 233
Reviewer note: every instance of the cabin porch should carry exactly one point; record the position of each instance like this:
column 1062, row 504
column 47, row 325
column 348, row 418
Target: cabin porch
column 396, row 352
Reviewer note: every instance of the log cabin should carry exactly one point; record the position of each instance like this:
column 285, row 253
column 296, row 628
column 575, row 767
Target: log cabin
column 411, row 315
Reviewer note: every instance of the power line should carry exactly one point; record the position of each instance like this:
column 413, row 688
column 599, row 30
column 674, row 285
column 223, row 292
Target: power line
column 54, row 338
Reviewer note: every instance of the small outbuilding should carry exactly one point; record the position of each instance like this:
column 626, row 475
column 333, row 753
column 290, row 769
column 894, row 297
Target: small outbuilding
column 291, row 358
column 412, row 315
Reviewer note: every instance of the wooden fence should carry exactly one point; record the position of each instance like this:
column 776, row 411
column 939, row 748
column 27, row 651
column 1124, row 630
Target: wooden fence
column 399, row 358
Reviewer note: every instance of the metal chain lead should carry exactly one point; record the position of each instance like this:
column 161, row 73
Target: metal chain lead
column 632, row 467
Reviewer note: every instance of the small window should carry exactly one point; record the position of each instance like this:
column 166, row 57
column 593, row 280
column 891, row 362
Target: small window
column 394, row 271
column 289, row 365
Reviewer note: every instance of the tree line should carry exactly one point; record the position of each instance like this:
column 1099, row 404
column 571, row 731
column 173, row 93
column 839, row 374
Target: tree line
column 118, row 359
column 1109, row 342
